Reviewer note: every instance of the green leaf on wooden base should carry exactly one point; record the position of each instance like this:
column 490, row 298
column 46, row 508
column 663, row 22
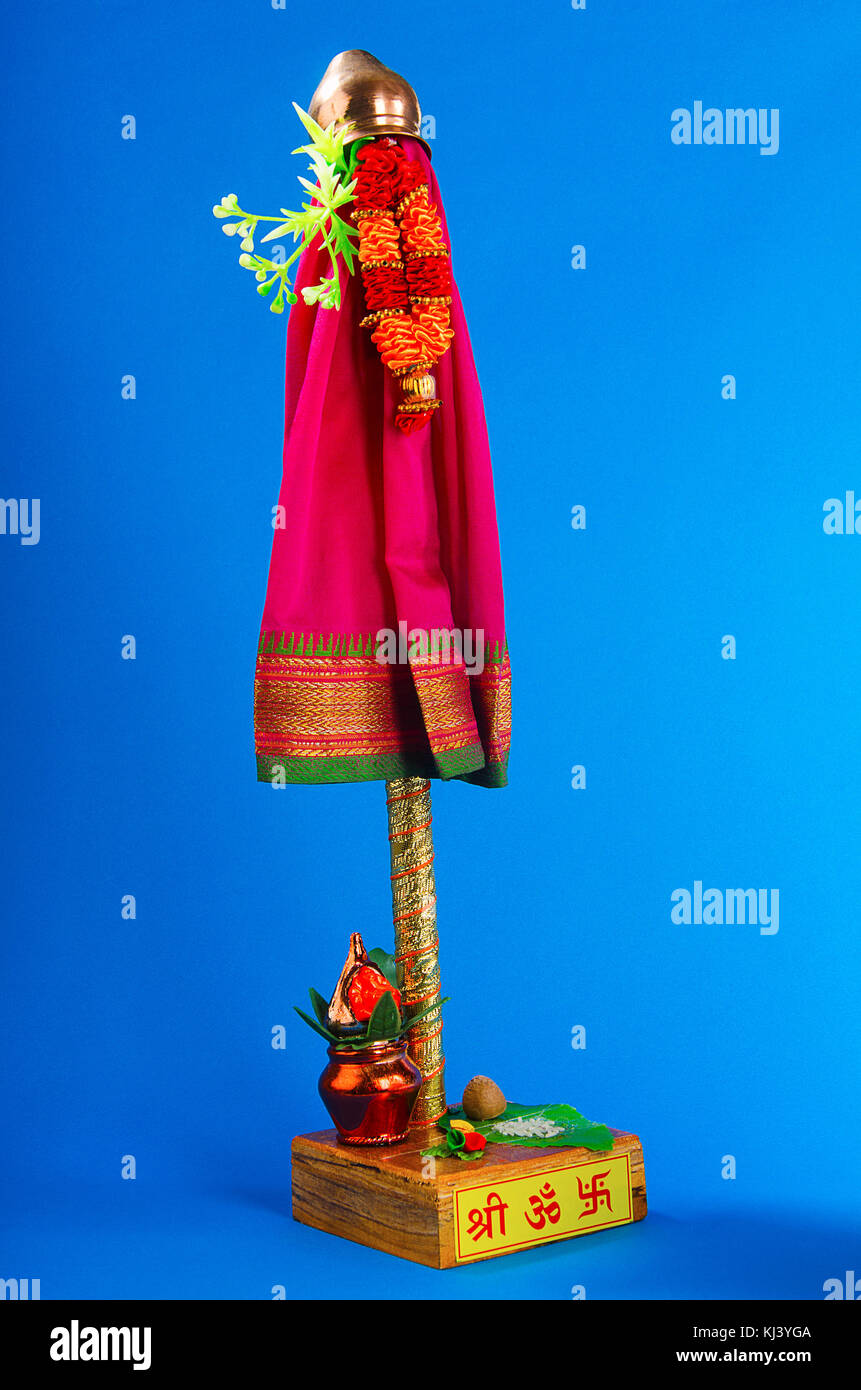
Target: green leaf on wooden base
column 576, row 1131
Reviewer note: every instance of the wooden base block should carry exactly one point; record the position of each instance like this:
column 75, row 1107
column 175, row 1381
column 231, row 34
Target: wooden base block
column 442, row 1212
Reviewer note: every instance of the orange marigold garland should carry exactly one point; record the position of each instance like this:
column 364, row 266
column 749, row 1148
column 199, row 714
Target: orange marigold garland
column 405, row 273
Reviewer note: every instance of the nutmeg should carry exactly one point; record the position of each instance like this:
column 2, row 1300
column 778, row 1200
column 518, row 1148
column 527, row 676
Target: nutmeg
column 482, row 1099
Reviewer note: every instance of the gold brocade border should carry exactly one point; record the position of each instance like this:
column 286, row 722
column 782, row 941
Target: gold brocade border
column 316, row 709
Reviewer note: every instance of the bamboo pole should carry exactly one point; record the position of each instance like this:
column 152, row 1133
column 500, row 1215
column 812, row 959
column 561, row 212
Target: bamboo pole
column 408, row 801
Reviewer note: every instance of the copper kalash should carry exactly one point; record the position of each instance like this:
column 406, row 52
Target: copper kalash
column 357, row 87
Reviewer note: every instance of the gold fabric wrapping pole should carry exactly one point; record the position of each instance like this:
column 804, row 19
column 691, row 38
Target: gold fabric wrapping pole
column 416, row 941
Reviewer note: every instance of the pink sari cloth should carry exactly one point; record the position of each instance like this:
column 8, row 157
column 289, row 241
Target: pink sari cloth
column 381, row 529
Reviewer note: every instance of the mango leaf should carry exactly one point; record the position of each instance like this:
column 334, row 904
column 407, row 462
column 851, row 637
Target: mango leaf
column 416, row 1018
column 383, row 961
column 312, row 1023
column 320, row 1006
column 385, row 1020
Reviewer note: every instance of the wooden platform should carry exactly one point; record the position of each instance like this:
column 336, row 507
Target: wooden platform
column 443, row 1212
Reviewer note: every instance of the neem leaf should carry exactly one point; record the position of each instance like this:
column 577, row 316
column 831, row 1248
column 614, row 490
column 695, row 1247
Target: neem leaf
column 329, row 142
column 386, row 963
column 385, row 1020
column 313, row 129
column 281, row 230
column 341, row 234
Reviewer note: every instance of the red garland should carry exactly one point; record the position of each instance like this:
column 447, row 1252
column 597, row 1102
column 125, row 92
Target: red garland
column 385, row 287
column 430, row 276
column 403, row 271
column 379, row 176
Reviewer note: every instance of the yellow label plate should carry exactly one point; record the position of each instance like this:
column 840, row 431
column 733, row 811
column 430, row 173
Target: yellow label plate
column 513, row 1213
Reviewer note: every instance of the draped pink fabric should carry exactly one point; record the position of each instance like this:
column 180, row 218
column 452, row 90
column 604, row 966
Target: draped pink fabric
column 380, row 527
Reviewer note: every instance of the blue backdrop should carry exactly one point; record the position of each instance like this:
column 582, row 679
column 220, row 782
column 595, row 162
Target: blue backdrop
column 733, row 764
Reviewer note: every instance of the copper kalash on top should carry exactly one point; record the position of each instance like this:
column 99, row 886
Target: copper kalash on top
column 383, row 651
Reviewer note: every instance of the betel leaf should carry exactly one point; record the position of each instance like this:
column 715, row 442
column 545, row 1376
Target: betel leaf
column 575, row 1130
column 385, row 1020
column 443, row 1151
column 386, row 963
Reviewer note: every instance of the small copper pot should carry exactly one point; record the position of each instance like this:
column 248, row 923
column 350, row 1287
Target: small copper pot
column 370, row 1092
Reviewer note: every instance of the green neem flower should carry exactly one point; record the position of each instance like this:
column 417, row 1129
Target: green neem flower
column 331, row 162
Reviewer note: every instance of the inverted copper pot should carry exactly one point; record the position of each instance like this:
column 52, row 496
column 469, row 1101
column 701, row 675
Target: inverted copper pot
column 370, row 1092
column 357, row 87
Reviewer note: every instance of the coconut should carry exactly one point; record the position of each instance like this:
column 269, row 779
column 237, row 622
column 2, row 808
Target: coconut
column 482, row 1099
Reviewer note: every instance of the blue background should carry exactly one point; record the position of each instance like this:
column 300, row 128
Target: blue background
column 602, row 387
